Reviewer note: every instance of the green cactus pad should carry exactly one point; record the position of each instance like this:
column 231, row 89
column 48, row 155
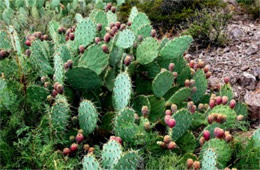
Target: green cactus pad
column 256, row 137
column 39, row 58
column 55, row 36
column 64, row 53
column 110, row 154
column 179, row 96
column 151, row 69
column 109, row 78
column 209, row 160
column 128, row 160
column 187, row 142
column 176, row 47
column 88, row 116
column 139, row 102
column 133, row 14
column 157, row 108
column 83, row 78
column 15, row 39
column 162, row 83
column 101, row 18
column 85, row 33
column 115, row 56
column 59, row 72
column 125, row 39
column 201, row 83
column 241, row 109
column 36, row 94
column 94, row 58
column 183, row 120
column 111, row 17
column 8, row 98
column 164, row 42
column 5, row 41
column 60, row 114
column 125, row 126
column 90, row 162
column 225, row 110
column 226, row 90
column 7, row 15
column 185, row 74
column 122, row 91
column 222, row 150
column 198, row 120
column 145, row 31
column 139, row 21
column 107, row 121
column 79, row 17
column 147, row 51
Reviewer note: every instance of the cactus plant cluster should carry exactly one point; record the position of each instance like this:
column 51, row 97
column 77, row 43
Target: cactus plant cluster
column 105, row 77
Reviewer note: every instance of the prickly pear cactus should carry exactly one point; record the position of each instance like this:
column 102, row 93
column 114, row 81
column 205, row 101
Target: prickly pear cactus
column 59, row 71
column 90, row 162
column 201, row 83
column 110, row 154
column 88, row 116
column 209, row 160
column 125, row 39
column 179, row 96
column 162, row 83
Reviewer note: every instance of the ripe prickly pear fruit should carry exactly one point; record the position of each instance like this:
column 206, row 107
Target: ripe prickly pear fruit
column 212, row 104
column 86, row 147
column 218, row 100
column 71, row 36
column 208, row 74
column 66, row 151
column 91, row 150
column 105, row 48
column 189, row 163
column 167, row 118
column 127, row 60
column 228, row 138
column 60, row 89
column 144, row 111
column 122, row 27
column 129, row 23
column 28, row 52
column 201, row 106
column 171, row 145
column 118, row 24
column 54, row 93
column 171, row 123
column 166, row 139
column 28, row 43
column 140, row 38
column 113, row 9
column 174, row 108
column 193, row 109
column 226, row 80
column 74, row 147
column 168, row 112
column 61, row 30
column 232, row 104
column 70, row 63
column 196, row 165
column 171, row 66
column 210, row 119
column 162, row 144
column 187, row 83
column 206, row 69
column 108, row 7
column 240, row 117
column 99, row 27
column 107, row 37
column 136, row 116
column 119, row 140
column 81, row 49
column 219, row 118
column 218, row 132
column 189, row 105
column 224, row 100
column 79, row 138
column 192, row 63
column 153, row 33
column 206, row 135
column 175, row 74
column 202, row 140
column 97, row 40
column 201, row 64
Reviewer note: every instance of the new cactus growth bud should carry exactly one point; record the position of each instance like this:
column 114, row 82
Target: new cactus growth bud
column 136, row 116
column 171, row 66
column 168, row 112
column 218, row 132
column 206, row 106
column 70, row 63
column 127, row 60
column 162, row 144
column 171, row 145
column 206, row 135
column 46, row 84
column 60, row 89
column 192, row 82
column 226, row 80
column 174, row 108
column 189, row 105
column 167, row 139
column 145, row 111
column 79, row 138
column 72, row 138
column 43, row 79
column 224, row 100
column 232, row 104
column 105, row 48
column 187, row 83
column 196, row 165
column 66, row 151
column 99, row 27
column 218, row 100
column 189, row 163
column 240, row 117
column 54, row 93
column 86, row 147
column 202, row 140
column 74, row 147
column 153, row 33
column 81, row 48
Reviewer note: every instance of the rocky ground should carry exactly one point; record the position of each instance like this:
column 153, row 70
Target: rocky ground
column 239, row 60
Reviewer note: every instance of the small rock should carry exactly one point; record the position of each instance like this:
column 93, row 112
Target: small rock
column 251, row 51
column 236, row 33
column 214, row 82
column 247, row 81
column 252, row 99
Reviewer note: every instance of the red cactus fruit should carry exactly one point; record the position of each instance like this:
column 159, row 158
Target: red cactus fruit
column 118, row 24
column 54, row 93
column 28, row 42
column 226, row 80
column 206, row 135
column 105, row 48
column 153, row 33
column 206, row 69
column 212, row 104
column 109, row 6
column 196, row 165
column 193, row 109
column 127, row 60
column 189, row 163
column 187, row 83
column 113, row 9
column 122, row 27
column 202, row 140
column 171, row 145
column 166, row 139
column 232, row 104
column 145, row 110
column 167, row 118
column 97, row 40
column 129, row 23
column 74, row 147
column 61, row 30
column 224, row 100
column 71, row 36
column 218, row 132
column 218, row 100
column 66, row 151
column 81, row 48
column 192, row 63
column 91, row 150
column 99, row 27
column 168, row 112
column 79, row 138
column 171, row 66
column 107, row 37
column 228, row 138
column 171, row 123
column 210, row 119
column 208, row 74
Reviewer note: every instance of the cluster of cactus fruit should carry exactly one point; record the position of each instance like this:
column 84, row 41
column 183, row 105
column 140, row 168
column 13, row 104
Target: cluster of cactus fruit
column 101, row 70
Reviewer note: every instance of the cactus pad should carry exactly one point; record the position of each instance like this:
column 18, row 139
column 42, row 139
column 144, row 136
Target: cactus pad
column 122, row 91
column 256, row 137
column 59, row 69
column 111, row 17
column 209, row 160
column 139, row 21
column 83, row 78
column 187, row 142
column 94, row 58
column 36, row 94
column 145, row 31
column 85, row 33
column 183, row 120
column 90, row 162
column 162, row 83
column 185, row 74
column 88, row 116
column 241, row 109
column 147, row 51
column 110, row 154
column 157, row 108
column 5, row 41
column 201, row 83
column 176, row 47
column 139, row 102
column 179, row 96
column 125, row 39
column 226, row 90
column 128, row 160
column 133, row 14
